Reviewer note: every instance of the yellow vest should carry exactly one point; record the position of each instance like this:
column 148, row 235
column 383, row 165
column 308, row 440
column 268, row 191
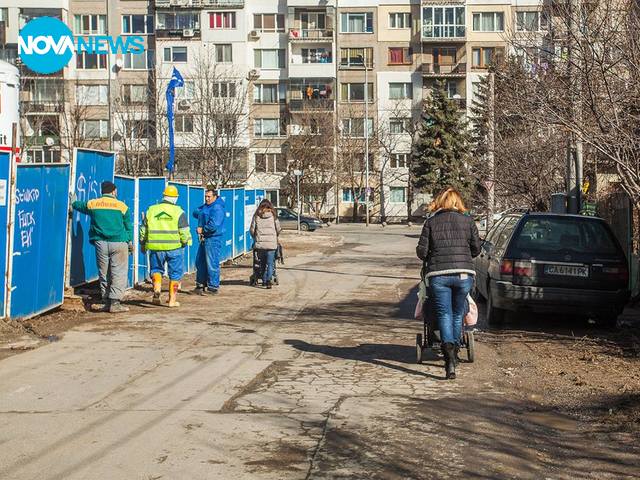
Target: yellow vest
column 162, row 229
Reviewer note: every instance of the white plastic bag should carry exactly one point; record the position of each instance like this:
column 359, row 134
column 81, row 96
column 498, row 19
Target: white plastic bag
column 471, row 318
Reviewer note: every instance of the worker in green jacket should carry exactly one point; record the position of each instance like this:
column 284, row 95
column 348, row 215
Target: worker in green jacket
column 111, row 233
column 164, row 233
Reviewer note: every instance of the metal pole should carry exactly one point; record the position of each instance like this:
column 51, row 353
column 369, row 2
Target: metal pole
column 298, row 194
column 366, row 137
column 491, row 197
column 109, row 84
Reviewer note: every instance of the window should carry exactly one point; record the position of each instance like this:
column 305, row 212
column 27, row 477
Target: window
column 444, row 56
column 91, row 94
column 132, row 94
column 399, row 160
column 531, row 22
column 91, row 61
column 270, row 162
column 269, row 93
column 354, row 127
column 175, row 54
column 137, row 128
column 222, row 20
column 188, row 91
column 400, row 20
column 178, row 20
column 139, row 61
column 137, row 24
column 46, row 90
column 488, row 22
column 357, row 22
column 269, row 58
column 451, row 87
column 223, row 53
column 184, row 123
column 226, row 124
column 313, row 25
column 400, row 91
column 224, row 90
column 355, row 57
column 4, row 16
column 443, row 22
column 316, row 55
column 483, row 57
column 350, row 194
column 94, row 128
column 269, row 127
column 399, row 126
column 399, row 56
column 43, row 156
column 90, row 24
column 268, row 22
column 354, row 92
column 397, row 195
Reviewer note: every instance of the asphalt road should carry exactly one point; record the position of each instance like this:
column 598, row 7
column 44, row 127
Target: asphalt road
column 313, row 379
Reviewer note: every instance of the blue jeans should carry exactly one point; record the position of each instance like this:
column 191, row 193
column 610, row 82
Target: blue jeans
column 174, row 260
column 267, row 262
column 449, row 295
column 208, row 262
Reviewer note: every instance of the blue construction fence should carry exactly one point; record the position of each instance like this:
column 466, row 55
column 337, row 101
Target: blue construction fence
column 47, row 249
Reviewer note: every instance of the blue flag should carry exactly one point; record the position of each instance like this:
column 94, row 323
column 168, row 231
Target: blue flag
column 176, row 81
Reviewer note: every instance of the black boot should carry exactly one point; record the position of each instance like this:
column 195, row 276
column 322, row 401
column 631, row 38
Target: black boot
column 449, row 352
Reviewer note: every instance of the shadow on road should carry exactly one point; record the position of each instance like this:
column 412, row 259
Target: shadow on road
column 374, row 353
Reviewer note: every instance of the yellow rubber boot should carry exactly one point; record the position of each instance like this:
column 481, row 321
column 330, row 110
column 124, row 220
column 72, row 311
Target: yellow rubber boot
column 173, row 293
column 157, row 288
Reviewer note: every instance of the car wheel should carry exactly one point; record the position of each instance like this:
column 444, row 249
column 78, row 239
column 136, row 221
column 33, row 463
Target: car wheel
column 495, row 316
column 304, row 227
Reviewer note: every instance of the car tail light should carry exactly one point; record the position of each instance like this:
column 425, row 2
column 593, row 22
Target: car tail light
column 620, row 272
column 506, row 267
column 522, row 269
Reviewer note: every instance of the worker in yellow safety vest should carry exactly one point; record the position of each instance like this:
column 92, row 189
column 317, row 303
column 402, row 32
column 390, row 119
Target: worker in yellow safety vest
column 164, row 233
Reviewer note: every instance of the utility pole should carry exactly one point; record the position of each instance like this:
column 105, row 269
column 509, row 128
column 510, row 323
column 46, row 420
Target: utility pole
column 366, row 137
column 574, row 150
column 491, row 127
column 110, row 129
column 298, row 174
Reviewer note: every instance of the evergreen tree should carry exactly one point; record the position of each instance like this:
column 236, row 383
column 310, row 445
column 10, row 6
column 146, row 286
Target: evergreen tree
column 480, row 119
column 441, row 149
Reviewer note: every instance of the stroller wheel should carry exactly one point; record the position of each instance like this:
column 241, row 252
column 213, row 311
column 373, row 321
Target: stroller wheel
column 470, row 343
column 419, row 348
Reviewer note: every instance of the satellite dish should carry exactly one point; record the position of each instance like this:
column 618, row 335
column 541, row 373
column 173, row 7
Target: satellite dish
column 50, row 142
column 119, row 64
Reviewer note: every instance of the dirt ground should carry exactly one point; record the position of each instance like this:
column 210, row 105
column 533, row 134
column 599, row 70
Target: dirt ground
column 539, row 388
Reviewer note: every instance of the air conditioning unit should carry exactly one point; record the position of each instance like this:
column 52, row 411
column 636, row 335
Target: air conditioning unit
column 294, row 129
column 254, row 34
column 187, row 32
column 253, row 74
column 184, row 105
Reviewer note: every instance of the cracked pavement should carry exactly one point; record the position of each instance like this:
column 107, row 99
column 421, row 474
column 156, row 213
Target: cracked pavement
column 313, row 379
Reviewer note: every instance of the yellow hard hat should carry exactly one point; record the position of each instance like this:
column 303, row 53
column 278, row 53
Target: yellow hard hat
column 170, row 191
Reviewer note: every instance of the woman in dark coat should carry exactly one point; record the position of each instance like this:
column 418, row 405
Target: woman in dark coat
column 448, row 243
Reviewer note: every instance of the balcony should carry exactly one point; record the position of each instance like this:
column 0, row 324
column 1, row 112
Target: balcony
column 42, row 107
column 177, row 33
column 444, row 69
column 42, row 140
column 461, row 103
column 200, row 3
column 312, row 70
column 300, row 35
column 311, row 105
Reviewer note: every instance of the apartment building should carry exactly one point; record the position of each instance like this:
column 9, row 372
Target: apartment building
column 269, row 86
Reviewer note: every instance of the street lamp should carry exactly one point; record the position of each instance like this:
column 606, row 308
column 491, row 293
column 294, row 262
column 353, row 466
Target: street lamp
column 298, row 174
column 366, row 135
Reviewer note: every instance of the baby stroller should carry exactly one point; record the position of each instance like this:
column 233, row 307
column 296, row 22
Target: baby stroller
column 430, row 336
column 256, row 277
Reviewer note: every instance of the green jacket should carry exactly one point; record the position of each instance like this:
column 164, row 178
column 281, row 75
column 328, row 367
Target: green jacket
column 110, row 219
column 165, row 227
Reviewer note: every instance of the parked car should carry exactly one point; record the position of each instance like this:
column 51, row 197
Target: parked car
column 552, row 263
column 289, row 220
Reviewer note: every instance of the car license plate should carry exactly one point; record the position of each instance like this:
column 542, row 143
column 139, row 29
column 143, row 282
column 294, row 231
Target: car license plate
column 567, row 270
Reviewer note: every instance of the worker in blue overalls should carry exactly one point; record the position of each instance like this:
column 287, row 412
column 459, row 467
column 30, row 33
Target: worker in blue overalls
column 211, row 231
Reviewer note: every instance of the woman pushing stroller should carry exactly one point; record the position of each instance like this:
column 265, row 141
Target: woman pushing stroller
column 265, row 229
column 448, row 243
